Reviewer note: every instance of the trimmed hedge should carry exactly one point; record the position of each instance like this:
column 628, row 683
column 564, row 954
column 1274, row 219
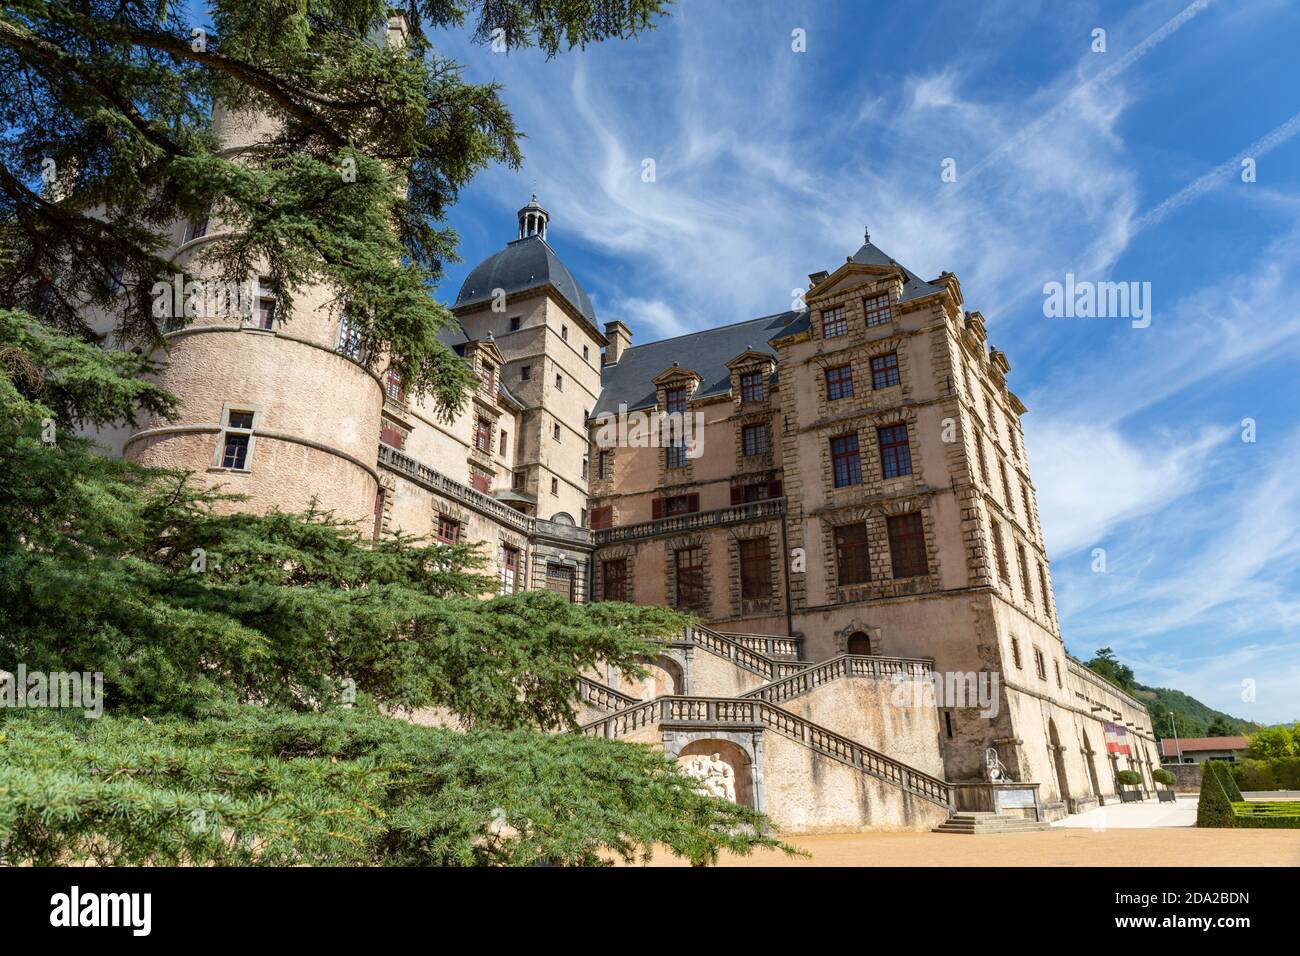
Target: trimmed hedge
column 1270, row 815
column 1221, row 804
column 1161, row 775
column 1129, row 778
column 1214, row 808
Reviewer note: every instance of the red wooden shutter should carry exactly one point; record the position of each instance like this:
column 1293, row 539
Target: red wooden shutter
column 693, row 502
column 657, row 508
column 602, row 517
column 774, row 488
column 737, row 494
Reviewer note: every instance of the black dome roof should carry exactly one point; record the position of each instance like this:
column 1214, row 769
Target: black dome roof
column 524, row 264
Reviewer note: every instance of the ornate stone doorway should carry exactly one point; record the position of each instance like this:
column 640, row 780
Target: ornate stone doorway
column 858, row 643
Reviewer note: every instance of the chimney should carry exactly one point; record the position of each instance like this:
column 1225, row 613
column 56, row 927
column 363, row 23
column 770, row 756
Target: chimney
column 620, row 340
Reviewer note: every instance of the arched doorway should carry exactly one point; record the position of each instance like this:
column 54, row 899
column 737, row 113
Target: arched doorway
column 1058, row 755
column 858, row 643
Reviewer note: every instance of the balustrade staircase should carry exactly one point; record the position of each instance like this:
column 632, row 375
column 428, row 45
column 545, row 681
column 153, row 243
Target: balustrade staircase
column 787, row 678
column 731, row 711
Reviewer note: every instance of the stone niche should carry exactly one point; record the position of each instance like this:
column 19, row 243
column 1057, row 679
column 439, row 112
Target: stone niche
column 723, row 768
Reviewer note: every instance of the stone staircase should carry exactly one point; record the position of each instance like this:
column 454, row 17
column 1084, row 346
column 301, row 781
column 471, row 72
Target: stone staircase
column 786, row 678
column 989, row 823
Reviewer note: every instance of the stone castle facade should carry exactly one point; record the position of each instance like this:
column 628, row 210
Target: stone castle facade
column 849, row 512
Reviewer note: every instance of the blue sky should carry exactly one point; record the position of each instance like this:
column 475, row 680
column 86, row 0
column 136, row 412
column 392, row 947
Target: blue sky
column 1122, row 165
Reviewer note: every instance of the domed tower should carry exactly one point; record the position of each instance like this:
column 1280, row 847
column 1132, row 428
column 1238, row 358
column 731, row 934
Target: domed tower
column 545, row 326
column 280, row 411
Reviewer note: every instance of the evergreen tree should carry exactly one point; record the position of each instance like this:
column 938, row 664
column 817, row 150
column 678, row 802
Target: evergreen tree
column 192, row 613
column 107, row 145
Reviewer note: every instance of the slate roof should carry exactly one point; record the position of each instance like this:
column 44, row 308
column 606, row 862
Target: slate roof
column 524, row 264
column 630, row 380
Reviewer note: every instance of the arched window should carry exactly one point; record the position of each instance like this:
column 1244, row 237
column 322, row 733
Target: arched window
column 859, row 644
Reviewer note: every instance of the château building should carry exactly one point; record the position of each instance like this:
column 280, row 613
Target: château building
column 847, row 507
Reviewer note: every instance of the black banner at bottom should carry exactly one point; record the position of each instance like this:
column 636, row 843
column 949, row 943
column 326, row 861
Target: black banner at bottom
column 503, row 906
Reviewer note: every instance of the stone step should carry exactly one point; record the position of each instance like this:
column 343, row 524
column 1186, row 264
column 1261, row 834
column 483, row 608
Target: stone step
column 1028, row 826
column 989, row 823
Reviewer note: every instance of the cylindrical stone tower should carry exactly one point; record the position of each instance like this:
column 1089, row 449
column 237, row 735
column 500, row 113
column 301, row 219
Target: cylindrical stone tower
column 278, row 411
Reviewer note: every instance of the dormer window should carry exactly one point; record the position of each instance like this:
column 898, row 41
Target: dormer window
column 751, row 387
column 834, row 322
column 675, row 400
column 877, row 310
column 488, row 376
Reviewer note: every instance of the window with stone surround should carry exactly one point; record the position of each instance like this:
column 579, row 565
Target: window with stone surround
column 852, row 555
column 675, row 456
column 1000, row 553
column 884, row 370
column 895, row 452
column 393, row 390
column 846, row 465
column 755, row 568
column 753, row 440
column 675, row 400
column 834, row 322
column 751, row 387
column 614, row 579
column 265, row 306
column 448, row 530
column 877, row 310
column 1040, row 665
column 555, row 486
column 1023, row 567
column 606, row 469
column 907, row 545
column 234, row 450
column 979, row 455
column 236, row 439
column 1042, row 588
column 1006, row 487
column 689, row 564
column 501, row 445
column 349, row 340
column 488, row 377
column 555, row 431
column 391, row 435
column 1015, row 654
column 1056, row 665
column 482, row 435
column 509, row 569
column 525, row 372
column 839, row 382
column 755, row 491
column 1029, row 512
